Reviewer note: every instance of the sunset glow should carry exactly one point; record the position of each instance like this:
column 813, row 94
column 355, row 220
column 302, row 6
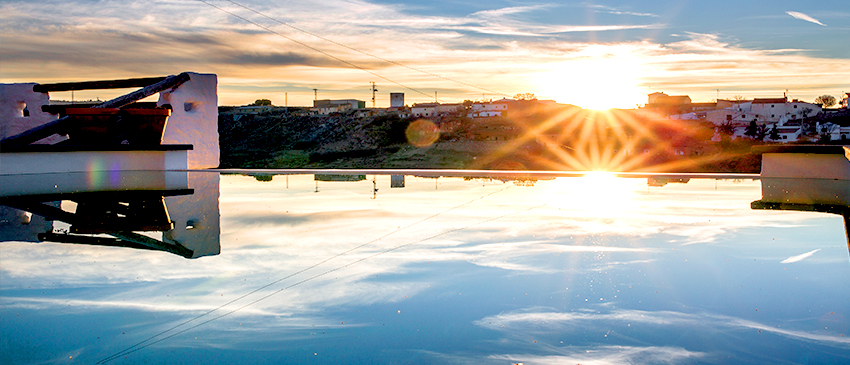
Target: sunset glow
column 583, row 54
column 595, row 81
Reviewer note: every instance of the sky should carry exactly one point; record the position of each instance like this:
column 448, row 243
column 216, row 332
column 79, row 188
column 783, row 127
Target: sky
column 594, row 54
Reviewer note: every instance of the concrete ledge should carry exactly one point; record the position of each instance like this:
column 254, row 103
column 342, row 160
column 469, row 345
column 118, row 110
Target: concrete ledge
column 91, row 182
column 59, row 159
column 802, row 148
column 818, row 162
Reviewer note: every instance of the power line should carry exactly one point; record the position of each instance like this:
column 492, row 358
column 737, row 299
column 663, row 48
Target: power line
column 113, row 357
column 315, row 49
column 139, row 344
column 364, row 52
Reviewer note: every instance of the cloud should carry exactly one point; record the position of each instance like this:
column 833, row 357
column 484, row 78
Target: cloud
column 805, row 17
column 799, row 257
column 616, row 11
column 603, row 355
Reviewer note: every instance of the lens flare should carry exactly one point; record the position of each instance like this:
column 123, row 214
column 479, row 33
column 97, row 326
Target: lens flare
column 422, row 133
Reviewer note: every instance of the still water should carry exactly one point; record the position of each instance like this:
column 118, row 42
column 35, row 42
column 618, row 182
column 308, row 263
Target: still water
column 317, row 268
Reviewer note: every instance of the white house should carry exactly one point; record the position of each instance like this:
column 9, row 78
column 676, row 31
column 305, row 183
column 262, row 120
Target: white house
column 491, row 109
column 424, row 110
column 773, row 110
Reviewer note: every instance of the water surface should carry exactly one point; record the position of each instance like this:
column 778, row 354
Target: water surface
column 312, row 268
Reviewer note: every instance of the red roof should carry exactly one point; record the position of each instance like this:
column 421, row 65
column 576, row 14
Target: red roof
column 770, row 101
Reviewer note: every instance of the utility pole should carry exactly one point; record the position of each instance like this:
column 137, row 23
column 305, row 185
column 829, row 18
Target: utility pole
column 286, row 99
column 374, row 90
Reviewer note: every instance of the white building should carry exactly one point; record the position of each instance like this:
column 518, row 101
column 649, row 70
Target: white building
column 491, row 109
column 326, row 106
column 424, row 110
column 778, row 110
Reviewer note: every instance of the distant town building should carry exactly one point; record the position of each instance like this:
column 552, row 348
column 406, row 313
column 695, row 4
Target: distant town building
column 252, row 109
column 774, row 110
column 424, row 110
column 845, row 101
column 490, row 109
column 664, row 104
column 326, row 106
column 396, row 100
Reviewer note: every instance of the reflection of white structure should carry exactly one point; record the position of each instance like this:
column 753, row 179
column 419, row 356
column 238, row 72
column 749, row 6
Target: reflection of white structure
column 396, row 181
column 196, row 217
column 17, row 225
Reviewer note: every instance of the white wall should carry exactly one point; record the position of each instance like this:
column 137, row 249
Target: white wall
column 194, row 119
column 13, row 99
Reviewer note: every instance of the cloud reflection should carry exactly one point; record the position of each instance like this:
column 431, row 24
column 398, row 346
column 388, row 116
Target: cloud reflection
column 535, row 321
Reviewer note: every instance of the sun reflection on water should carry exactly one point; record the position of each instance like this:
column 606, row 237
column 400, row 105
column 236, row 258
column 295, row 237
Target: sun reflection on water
column 599, row 193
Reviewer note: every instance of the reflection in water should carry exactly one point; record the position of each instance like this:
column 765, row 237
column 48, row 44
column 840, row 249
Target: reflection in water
column 112, row 217
column 492, row 270
column 807, row 195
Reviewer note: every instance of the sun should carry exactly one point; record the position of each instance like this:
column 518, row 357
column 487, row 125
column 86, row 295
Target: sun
column 594, row 82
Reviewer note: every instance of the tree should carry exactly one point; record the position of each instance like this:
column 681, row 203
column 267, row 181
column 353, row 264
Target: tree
column 726, row 128
column 752, row 130
column 262, row 102
column 825, row 100
column 826, row 130
column 525, row 96
column 738, row 98
column 761, row 132
column 774, row 133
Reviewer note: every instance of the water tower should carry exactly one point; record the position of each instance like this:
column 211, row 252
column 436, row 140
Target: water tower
column 396, row 100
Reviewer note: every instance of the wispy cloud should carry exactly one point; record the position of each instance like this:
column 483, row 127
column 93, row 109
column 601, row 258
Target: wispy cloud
column 616, row 11
column 799, row 257
column 805, row 17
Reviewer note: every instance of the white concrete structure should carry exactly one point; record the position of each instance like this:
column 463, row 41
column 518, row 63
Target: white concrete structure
column 60, row 161
column 807, row 165
column 20, row 110
column 194, row 119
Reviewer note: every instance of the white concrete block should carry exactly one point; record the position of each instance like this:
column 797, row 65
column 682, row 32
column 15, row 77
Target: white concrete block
column 14, row 98
column 194, row 119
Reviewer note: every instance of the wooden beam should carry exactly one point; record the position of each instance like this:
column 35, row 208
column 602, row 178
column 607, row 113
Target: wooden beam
column 169, row 82
column 54, row 127
column 97, row 85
